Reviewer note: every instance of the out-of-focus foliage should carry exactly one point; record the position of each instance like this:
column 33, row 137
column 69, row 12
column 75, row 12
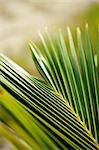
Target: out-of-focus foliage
column 90, row 16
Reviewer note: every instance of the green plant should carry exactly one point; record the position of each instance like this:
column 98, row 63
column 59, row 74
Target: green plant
column 61, row 110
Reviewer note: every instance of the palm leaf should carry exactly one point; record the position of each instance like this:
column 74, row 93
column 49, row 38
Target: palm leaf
column 62, row 115
column 76, row 76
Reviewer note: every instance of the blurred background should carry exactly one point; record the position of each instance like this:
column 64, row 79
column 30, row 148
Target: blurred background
column 20, row 21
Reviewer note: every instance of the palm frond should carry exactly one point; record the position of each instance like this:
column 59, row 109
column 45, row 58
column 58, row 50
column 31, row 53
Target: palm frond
column 60, row 112
column 74, row 75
